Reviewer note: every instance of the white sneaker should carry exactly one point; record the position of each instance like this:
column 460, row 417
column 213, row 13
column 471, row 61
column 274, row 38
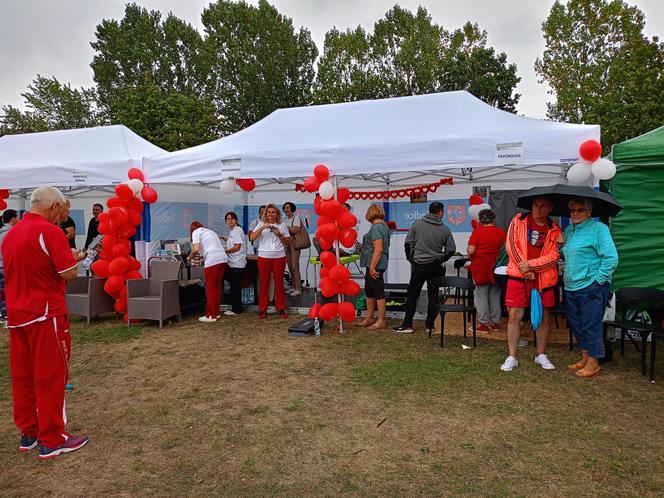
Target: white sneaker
column 207, row 319
column 543, row 361
column 522, row 343
column 509, row 364
column 295, row 292
column 229, row 313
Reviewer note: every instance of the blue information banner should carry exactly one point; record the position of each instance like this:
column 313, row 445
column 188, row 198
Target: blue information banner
column 78, row 215
column 456, row 215
column 172, row 220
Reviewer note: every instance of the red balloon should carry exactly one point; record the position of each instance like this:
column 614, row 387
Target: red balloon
column 318, row 204
column 328, row 258
column 347, row 220
column 4, row 193
column 321, row 172
column 123, row 192
column 246, row 184
column 328, row 231
column 314, row 310
column 331, row 208
column 109, row 241
column 118, row 266
column 311, row 184
column 127, row 231
column 475, row 199
column 339, row 273
column 346, row 311
column 324, row 271
column 120, row 249
column 135, row 217
column 104, row 228
column 133, row 275
column 3, row 204
column 474, row 224
column 123, row 292
column 590, row 150
column 328, row 287
column 347, row 238
column 328, row 311
column 343, row 194
column 134, row 264
column 149, row 194
column 135, row 174
column 350, row 288
column 113, row 284
column 100, row 268
column 103, row 217
column 120, row 305
column 114, row 202
column 119, row 215
column 322, row 220
column 136, row 205
column 325, row 244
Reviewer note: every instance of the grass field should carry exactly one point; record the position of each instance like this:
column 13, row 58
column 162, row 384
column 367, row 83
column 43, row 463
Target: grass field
column 238, row 408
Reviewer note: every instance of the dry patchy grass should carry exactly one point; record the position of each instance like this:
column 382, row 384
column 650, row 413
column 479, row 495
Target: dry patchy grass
column 240, row 409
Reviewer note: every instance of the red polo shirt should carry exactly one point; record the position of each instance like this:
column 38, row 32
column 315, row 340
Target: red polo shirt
column 34, row 253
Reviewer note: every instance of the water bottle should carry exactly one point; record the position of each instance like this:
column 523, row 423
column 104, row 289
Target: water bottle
column 316, row 327
column 89, row 259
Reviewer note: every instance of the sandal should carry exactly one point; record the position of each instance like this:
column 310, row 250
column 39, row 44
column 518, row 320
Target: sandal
column 377, row 326
column 585, row 374
column 577, row 366
column 366, row 323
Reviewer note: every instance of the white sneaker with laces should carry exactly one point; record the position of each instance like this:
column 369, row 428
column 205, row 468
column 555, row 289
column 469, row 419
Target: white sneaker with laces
column 510, row 363
column 229, row 313
column 207, row 319
column 522, row 343
column 543, row 361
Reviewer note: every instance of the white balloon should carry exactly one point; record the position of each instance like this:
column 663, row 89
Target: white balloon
column 579, row 173
column 326, row 190
column 474, row 211
column 135, row 185
column 603, row 169
column 227, row 186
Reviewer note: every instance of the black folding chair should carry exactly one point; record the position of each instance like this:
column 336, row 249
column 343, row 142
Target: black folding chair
column 559, row 309
column 461, row 289
column 638, row 300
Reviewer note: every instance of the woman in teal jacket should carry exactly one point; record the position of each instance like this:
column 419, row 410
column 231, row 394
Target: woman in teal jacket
column 590, row 259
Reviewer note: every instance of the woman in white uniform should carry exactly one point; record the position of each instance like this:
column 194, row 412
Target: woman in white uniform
column 208, row 244
column 236, row 249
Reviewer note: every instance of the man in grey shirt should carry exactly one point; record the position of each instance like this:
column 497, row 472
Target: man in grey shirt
column 429, row 244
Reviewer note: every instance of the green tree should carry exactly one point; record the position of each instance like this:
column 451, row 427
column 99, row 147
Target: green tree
column 407, row 54
column 257, row 62
column 51, row 105
column 151, row 76
column 602, row 69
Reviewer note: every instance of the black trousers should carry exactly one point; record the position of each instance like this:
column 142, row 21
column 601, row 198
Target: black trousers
column 235, row 276
column 420, row 273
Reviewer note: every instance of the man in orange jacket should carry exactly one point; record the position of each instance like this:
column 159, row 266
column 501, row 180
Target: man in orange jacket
column 532, row 247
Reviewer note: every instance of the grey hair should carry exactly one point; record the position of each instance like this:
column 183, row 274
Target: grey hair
column 487, row 216
column 587, row 203
column 46, row 197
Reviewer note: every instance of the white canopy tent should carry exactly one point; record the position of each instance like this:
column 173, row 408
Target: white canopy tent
column 452, row 133
column 86, row 157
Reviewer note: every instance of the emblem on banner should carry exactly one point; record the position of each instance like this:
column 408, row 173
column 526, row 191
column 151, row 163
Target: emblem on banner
column 456, row 214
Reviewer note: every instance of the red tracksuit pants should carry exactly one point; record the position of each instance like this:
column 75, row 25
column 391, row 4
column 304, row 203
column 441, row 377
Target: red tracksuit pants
column 266, row 268
column 214, row 276
column 39, row 365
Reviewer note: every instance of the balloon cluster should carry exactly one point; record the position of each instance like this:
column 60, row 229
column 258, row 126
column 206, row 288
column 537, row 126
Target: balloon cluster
column 227, row 186
column 117, row 225
column 591, row 164
column 476, row 204
column 4, row 194
column 335, row 223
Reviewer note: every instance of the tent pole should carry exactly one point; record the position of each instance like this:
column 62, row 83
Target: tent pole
column 336, row 247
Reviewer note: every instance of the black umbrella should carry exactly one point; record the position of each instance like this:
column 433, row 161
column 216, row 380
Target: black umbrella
column 604, row 206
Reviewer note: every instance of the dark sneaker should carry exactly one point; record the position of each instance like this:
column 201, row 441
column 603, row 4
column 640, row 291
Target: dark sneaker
column 403, row 330
column 72, row 443
column 283, row 315
column 262, row 315
column 27, row 443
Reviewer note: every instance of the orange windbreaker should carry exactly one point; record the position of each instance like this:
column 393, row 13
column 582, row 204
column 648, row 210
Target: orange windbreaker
column 546, row 266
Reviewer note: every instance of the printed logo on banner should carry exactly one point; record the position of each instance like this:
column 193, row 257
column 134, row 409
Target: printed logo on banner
column 456, row 214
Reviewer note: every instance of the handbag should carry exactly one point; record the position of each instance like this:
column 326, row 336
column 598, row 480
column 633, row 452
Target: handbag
column 301, row 239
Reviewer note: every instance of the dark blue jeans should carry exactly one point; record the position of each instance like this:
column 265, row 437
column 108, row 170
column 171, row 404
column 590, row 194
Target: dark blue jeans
column 585, row 313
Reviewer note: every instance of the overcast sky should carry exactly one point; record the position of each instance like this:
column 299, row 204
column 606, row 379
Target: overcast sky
column 52, row 37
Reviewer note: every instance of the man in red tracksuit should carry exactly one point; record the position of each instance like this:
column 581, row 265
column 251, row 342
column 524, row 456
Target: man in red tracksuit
column 38, row 262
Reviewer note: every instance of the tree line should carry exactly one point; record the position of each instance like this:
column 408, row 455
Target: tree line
column 178, row 87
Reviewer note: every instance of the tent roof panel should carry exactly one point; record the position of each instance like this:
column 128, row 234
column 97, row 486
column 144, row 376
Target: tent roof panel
column 646, row 149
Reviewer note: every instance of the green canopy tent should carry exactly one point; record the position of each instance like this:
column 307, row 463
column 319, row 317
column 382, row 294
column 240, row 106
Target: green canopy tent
column 638, row 230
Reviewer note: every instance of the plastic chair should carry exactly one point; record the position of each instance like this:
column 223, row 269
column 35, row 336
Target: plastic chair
column 462, row 289
column 639, row 299
column 158, row 297
column 86, row 297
